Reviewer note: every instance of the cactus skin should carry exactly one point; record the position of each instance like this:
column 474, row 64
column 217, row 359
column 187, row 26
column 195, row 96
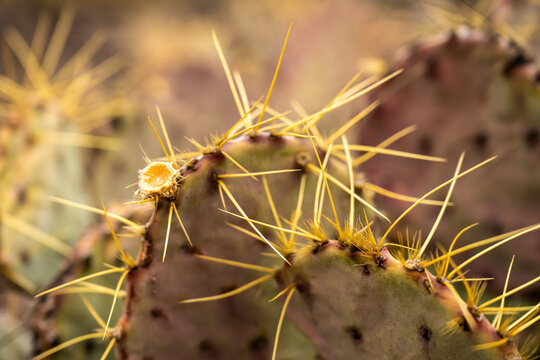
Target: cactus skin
column 377, row 309
column 240, row 327
column 495, row 113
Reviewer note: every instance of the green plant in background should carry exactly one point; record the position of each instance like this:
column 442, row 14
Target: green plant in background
column 51, row 108
column 300, row 196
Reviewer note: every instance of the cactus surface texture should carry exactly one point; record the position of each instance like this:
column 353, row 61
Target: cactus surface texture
column 360, row 299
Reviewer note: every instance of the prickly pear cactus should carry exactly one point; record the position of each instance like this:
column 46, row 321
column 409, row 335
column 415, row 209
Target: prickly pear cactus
column 347, row 287
column 474, row 91
column 351, row 290
column 239, row 327
column 278, row 198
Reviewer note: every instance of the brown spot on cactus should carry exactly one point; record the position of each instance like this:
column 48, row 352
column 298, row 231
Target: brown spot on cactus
column 354, row 333
column 531, row 137
column 259, row 344
column 425, row 332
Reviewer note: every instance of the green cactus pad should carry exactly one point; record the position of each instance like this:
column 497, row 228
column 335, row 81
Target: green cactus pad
column 355, row 307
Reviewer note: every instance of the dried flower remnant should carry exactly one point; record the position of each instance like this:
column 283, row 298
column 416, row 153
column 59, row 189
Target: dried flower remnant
column 160, row 179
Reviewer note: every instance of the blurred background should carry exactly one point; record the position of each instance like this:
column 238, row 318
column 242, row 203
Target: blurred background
column 166, row 58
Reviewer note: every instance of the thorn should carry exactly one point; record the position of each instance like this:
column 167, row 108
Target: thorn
column 96, row 210
column 325, row 176
column 67, row 344
column 127, row 260
column 227, row 73
column 351, row 181
column 274, row 78
column 159, row 139
column 443, row 208
column 167, row 140
column 169, row 218
column 280, row 322
column 231, row 293
column 84, row 278
column 431, row 192
column 120, row 281
column 474, row 257
column 237, row 264
column 181, row 223
column 498, row 318
column 261, row 173
column 239, row 208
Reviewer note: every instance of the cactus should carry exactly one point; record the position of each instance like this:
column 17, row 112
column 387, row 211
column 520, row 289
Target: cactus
column 272, row 196
column 299, row 196
column 346, row 289
column 49, row 116
column 481, row 90
column 202, row 181
column 50, row 110
column 329, row 275
column 159, row 180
